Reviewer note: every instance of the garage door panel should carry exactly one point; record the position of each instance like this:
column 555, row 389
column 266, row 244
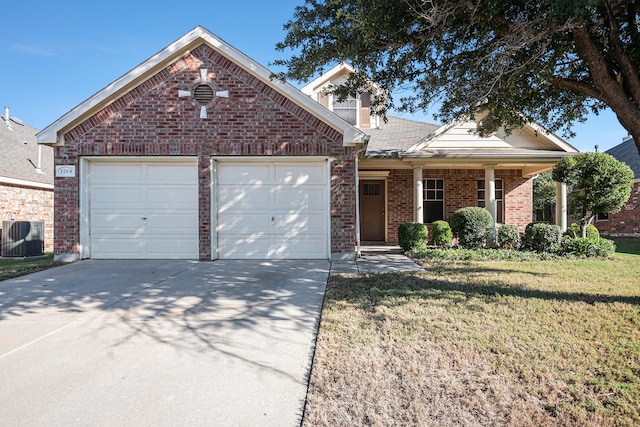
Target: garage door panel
column 108, row 222
column 294, row 199
column 125, row 173
column 274, row 210
column 112, row 196
column 174, row 248
column 249, row 247
column 175, row 196
column 294, row 225
column 118, row 246
column 172, row 223
column 245, row 223
column 298, row 175
column 170, row 173
column 299, row 248
column 239, row 198
column 134, row 203
column 244, row 174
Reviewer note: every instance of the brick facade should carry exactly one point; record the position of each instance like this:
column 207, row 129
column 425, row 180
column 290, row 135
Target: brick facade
column 461, row 190
column 256, row 120
column 28, row 204
column 627, row 221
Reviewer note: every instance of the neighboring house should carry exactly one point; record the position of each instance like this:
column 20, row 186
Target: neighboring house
column 413, row 171
column 198, row 153
column 627, row 221
column 26, row 176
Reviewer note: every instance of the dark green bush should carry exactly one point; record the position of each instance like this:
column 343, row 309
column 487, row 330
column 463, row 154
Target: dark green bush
column 542, row 237
column 587, row 247
column 574, row 231
column 508, row 236
column 471, row 226
column 412, row 236
column 441, row 233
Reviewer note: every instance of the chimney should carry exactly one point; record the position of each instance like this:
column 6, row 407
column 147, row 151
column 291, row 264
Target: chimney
column 6, row 117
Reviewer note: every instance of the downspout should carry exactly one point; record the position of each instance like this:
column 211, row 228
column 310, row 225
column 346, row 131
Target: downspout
column 357, row 154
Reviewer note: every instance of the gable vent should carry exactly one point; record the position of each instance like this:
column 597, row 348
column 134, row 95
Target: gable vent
column 203, row 94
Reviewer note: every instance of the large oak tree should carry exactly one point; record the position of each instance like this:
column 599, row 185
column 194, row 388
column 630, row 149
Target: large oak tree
column 549, row 61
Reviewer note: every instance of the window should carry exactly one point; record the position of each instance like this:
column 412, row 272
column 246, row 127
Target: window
column 499, row 198
column 371, row 189
column 602, row 217
column 433, row 204
column 347, row 109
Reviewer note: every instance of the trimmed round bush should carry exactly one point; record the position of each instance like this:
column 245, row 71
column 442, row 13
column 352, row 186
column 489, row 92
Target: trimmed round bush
column 542, row 237
column 508, row 236
column 441, row 233
column 574, row 231
column 413, row 236
column 471, row 226
column 588, row 247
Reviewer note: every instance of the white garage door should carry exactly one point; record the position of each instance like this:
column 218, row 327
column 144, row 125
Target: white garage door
column 143, row 210
column 272, row 210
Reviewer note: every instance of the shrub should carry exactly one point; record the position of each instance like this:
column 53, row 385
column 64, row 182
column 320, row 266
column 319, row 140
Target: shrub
column 471, row 225
column 413, row 235
column 588, row 247
column 542, row 237
column 574, row 231
column 441, row 233
column 508, row 236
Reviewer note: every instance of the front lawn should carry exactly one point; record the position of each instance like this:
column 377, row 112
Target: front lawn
column 10, row 268
column 540, row 343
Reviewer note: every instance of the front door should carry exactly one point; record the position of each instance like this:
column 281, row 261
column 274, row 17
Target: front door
column 372, row 210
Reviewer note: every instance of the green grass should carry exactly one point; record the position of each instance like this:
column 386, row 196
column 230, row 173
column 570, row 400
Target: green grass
column 541, row 343
column 10, row 268
column 627, row 245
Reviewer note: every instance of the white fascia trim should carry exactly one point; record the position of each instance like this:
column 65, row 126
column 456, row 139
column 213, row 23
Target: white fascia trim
column 556, row 140
column 432, row 136
column 52, row 133
column 311, row 87
column 24, row 183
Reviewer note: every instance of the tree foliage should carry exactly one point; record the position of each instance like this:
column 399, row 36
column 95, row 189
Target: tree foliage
column 548, row 61
column 597, row 183
column 544, row 197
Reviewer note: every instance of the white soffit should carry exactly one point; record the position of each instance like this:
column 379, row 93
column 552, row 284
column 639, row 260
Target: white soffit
column 53, row 134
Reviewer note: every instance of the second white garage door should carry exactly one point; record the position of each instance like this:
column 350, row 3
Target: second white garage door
column 143, row 209
column 272, row 210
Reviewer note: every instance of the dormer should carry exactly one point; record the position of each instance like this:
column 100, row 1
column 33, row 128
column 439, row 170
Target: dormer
column 356, row 111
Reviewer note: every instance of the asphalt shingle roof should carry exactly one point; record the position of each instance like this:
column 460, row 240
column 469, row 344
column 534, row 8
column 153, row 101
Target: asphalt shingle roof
column 397, row 134
column 19, row 153
column 627, row 152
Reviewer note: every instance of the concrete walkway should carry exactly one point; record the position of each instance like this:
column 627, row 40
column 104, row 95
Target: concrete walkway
column 376, row 259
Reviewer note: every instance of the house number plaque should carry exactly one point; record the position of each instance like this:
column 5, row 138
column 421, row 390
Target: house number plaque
column 65, row 171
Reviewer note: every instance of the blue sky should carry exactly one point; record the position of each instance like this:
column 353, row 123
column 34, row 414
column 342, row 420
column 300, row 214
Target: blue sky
column 57, row 54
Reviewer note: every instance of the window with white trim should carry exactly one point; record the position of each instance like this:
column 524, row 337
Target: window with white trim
column 433, row 203
column 499, row 198
column 347, row 109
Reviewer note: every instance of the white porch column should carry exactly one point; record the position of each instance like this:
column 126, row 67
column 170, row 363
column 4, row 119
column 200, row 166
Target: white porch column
column 418, row 195
column 490, row 195
column 561, row 205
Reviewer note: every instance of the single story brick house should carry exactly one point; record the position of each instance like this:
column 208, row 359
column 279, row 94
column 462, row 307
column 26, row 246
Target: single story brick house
column 26, row 176
column 627, row 221
column 198, row 153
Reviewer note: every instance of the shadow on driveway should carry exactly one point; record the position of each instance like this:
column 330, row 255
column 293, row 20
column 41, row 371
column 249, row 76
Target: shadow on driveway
column 160, row 342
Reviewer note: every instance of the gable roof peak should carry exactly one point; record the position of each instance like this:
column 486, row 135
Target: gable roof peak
column 54, row 133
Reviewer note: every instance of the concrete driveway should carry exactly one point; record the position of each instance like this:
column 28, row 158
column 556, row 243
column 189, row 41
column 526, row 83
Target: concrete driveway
column 159, row 343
